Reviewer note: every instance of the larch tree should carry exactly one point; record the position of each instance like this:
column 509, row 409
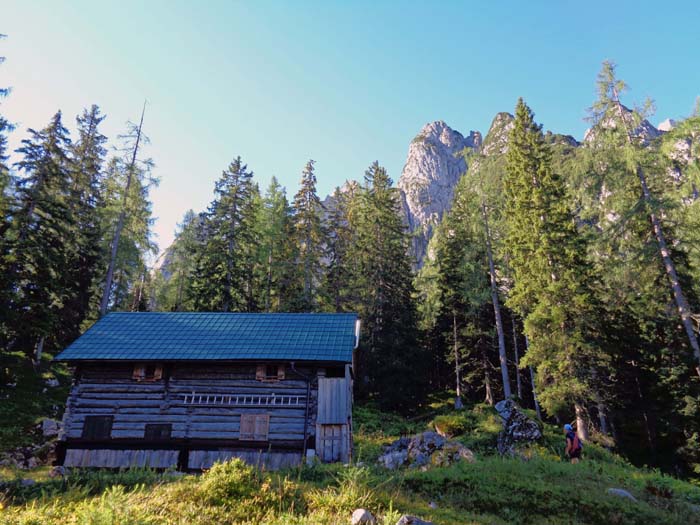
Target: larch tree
column 309, row 239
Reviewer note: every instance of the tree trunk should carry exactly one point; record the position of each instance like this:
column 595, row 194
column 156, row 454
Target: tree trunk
column 502, row 356
column 487, row 379
column 669, row 265
column 532, row 381
column 104, row 303
column 517, row 361
column 458, row 379
column 581, row 422
column 38, row 351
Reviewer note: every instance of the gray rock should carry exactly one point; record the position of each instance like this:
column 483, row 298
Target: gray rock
column 50, row 427
column 621, row 493
column 52, row 382
column 362, row 517
column 517, row 427
column 433, row 168
column 424, row 450
column 412, row 520
column 27, row 482
column 58, row 472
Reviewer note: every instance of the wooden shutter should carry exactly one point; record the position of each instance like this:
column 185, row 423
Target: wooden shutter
column 158, row 374
column 247, row 432
column 262, row 426
column 260, row 373
column 97, row 427
column 280, row 373
column 139, row 372
column 254, row 427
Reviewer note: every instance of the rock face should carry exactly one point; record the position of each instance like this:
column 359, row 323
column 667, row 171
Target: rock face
column 644, row 131
column 517, row 427
column 496, row 141
column 433, row 168
column 423, row 450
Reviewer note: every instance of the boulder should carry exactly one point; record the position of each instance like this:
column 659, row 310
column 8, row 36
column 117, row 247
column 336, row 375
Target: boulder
column 423, row 451
column 27, row 482
column 412, row 520
column 50, row 427
column 517, row 427
column 362, row 517
column 621, row 493
column 52, row 382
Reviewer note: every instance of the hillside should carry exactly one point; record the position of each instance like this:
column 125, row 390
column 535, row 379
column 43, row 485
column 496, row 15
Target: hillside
column 538, row 486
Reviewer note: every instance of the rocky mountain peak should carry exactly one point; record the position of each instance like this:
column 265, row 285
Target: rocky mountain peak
column 644, row 130
column 433, row 167
column 666, row 125
column 496, row 141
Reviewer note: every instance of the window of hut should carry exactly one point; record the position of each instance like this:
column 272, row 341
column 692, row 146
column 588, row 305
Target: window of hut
column 270, row 373
column 254, row 427
column 158, row 431
column 97, row 427
column 148, row 372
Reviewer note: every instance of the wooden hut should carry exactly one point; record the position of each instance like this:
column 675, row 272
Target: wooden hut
column 184, row 390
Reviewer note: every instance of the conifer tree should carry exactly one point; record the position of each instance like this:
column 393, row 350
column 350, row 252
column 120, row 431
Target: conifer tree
column 609, row 113
column 222, row 278
column 86, row 258
column 273, row 229
column 390, row 358
column 310, row 240
column 551, row 276
column 339, row 289
column 135, row 246
column 171, row 282
column 6, row 205
column 133, row 142
column 40, row 227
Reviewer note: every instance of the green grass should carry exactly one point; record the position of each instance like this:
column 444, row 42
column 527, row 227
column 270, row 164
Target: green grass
column 538, row 486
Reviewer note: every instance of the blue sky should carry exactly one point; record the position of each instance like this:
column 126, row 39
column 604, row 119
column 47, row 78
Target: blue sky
column 344, row 83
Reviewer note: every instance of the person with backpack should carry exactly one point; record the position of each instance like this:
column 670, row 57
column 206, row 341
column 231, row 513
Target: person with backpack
column 573, row 444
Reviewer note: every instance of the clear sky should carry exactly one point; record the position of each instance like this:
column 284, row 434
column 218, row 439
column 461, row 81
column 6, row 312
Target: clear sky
column 344, row 83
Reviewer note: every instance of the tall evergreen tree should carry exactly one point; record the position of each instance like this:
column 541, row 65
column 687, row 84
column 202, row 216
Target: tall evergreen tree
column 222, row 279
column 87, row 156
column 41, row 225
column 310, row 241
column 391, row 359
column 339, row 291
column 551, row 276
column 273, row 230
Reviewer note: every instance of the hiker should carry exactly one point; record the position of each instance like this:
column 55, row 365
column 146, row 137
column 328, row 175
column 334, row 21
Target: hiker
column 573, row 444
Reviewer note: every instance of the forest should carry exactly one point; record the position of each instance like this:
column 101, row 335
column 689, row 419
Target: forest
column 566, row 276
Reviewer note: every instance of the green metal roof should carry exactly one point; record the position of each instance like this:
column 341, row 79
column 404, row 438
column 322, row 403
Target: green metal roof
column 179, row 336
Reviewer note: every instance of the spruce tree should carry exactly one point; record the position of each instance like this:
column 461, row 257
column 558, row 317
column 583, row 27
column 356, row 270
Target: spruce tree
column 551, row 288
column 310, row 241
column 339, row 290
column 86, row 259
column 42, row 224
column 222, row 279
column 391, row 362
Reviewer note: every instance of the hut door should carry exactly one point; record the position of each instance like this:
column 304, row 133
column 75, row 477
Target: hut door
column 332, row 443
column 333, row 440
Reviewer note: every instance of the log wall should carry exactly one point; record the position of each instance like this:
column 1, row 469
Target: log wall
column 202, row 403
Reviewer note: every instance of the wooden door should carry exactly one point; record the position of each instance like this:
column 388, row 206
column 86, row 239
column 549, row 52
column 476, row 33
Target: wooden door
column 332, row 443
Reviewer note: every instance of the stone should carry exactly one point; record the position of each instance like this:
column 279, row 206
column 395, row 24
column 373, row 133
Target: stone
column 433, row 505
column 621, row 493
column 517, row 427
column 52, row 382
column 433, row 168
column 50, row 427
column 412, row 520
column 27, row 482
column 666, row 125
column 32, row 463
column 424, row 451
column 58, row 472
column 362, row 517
